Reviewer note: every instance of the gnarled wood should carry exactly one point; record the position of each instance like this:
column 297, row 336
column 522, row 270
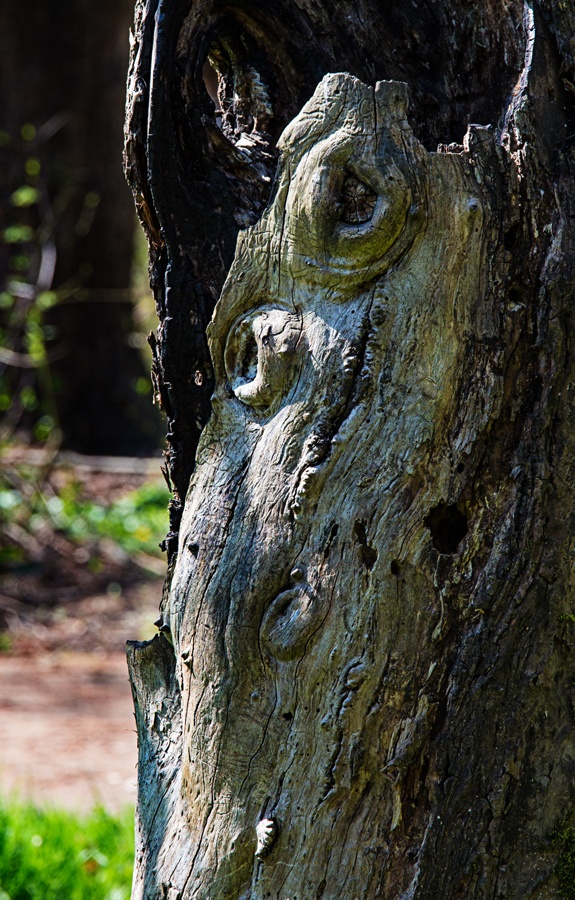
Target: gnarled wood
column 367, row 607
column 337, row 348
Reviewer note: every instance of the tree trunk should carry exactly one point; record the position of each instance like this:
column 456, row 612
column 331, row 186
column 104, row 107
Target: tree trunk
column 364, row 687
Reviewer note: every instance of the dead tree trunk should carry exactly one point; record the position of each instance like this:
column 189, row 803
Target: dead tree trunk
column 365, row 686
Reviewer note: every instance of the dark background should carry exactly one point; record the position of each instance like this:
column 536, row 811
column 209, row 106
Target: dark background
column 62, row 86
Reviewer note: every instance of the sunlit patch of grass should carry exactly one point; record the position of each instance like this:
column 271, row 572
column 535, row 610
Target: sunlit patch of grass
column 52, row 854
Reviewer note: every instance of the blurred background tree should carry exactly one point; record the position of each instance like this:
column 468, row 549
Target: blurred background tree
column 75, row 307
column 81, row 517
column 71, row 366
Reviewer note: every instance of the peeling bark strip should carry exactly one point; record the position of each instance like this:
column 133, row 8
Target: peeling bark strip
column 368, row 688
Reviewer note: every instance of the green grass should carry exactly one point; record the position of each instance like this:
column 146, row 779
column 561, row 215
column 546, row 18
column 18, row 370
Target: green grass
column 52, row 854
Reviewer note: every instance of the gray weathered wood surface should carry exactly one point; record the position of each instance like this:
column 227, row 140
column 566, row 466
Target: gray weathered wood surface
column 367, row 693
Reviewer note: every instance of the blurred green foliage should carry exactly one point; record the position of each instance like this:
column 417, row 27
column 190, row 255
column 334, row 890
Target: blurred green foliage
column 31, row 220
column 49, row 854
column 31, row 512
column 135, row 522
column 27, row 257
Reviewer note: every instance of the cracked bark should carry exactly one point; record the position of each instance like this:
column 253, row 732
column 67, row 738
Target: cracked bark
column 370, row 582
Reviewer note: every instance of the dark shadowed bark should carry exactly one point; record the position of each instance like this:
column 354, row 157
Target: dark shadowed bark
column 367, row 687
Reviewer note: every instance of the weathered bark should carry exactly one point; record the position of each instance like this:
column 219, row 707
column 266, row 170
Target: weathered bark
column 370, row 604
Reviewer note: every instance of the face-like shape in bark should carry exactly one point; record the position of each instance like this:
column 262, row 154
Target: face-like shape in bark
column 298, row 630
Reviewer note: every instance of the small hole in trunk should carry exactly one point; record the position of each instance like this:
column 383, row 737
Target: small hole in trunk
column 448, row 527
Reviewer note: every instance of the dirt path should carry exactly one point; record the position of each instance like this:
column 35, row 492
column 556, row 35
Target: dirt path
column 66, row 719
